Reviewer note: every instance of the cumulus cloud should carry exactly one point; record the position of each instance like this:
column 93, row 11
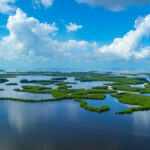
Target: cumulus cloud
column 129, row 46
column 7, row 6
column 45, row 3
column 115, row 5
column 30, row 39
column 73, row 27
column 27, row 34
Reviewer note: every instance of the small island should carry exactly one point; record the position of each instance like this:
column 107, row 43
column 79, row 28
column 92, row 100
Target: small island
column 120, row 86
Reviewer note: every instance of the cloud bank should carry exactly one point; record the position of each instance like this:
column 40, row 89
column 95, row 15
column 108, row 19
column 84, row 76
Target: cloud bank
column 115, row 5
column 29, row 39
column 32, row 40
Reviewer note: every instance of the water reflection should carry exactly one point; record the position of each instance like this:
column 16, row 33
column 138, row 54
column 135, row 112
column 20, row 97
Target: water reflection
column 44, row 125
column 22, row 115
column 141, row 122
column 16, row 116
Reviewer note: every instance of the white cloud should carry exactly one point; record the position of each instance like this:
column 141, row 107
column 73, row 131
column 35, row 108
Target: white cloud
column 129, row 46
column 7, row 6
column 26, row 34
column 73, row 27
column 31, row 40
column 115, row 5
column 45, row 3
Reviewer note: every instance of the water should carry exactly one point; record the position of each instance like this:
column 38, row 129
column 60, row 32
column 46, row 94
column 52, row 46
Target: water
column 64, row 125
column 112, row 102
column 9, row 90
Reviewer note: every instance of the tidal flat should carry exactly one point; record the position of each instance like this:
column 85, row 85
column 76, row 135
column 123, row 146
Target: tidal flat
column 47, row 107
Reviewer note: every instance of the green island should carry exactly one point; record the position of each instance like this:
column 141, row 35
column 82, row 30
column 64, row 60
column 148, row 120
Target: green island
column 60, row 78
column 130, row 74
column 142, row 102
column 62, row 83
column 42, row 82
column 100, row 87
column 64, row 93
column 64, row 89
column 3, row 80
column 141, row 90
column 118, row 80
column 12, row 84
column 34, row 89
column 84, row 105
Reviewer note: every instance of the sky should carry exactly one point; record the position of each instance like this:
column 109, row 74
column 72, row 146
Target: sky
column 75, row 33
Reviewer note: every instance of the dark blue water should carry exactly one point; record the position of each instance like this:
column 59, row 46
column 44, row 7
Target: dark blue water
column 63, row 125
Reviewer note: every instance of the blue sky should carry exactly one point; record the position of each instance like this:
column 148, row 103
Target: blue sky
column 75, row 33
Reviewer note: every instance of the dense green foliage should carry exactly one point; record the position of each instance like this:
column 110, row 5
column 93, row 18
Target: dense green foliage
column 42, row 82
column 142, row 101
column 91, row 108
column 71, row 94
column 100, row 87
column 117, row 79
column 62, row 83
column 146, row 88
column 79, row 92
column 126, row 88
column 60, row 78
column 27, row 100
column 64, row 86
column 129, row 74
column 3, row 80
column 11, row 84
column 34, row 89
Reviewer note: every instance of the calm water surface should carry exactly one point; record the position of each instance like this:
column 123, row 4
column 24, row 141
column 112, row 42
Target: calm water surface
column 64, row 125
